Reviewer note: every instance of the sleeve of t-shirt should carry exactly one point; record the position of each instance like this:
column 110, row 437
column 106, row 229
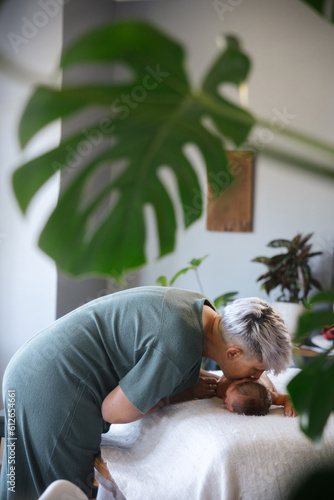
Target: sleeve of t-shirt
column 153, row 377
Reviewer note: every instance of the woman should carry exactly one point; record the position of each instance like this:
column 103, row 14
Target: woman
column 115, row 360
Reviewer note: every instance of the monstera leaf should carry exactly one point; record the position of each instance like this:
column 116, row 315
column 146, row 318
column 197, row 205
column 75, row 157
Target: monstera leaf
column 150, row 116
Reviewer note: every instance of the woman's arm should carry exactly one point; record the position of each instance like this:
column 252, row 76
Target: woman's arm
column 117, row 409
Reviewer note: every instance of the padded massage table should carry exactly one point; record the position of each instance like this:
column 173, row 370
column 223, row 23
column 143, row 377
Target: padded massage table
column 198, row 450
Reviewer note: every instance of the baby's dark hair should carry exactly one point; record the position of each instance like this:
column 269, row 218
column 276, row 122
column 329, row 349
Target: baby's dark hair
column 254, row 399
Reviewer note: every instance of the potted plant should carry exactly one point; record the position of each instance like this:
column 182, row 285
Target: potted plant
column 290, row 271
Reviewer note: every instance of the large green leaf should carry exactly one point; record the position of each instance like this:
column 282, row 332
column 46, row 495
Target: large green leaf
column 312, row 390
column 312, row 394
column 150, row 116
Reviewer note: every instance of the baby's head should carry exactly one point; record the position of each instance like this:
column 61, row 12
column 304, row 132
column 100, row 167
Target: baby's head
column 248, row 398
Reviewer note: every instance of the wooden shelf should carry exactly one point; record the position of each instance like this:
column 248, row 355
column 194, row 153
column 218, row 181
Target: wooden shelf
column 307, row 353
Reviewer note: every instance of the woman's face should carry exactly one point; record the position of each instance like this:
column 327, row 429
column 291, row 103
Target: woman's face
column 241, row 369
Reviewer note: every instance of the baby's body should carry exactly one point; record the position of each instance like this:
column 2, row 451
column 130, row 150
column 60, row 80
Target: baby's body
column 244, row 396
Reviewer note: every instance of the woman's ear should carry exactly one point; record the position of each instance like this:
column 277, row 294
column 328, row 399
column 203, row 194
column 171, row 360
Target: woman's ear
column 233, row 353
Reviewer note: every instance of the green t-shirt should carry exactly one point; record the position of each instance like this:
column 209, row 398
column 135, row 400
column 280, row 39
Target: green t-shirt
column 163, row 348
column 149, row 340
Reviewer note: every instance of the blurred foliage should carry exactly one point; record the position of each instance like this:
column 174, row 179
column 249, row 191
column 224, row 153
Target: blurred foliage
column 312, row 390
column 321, row 7
column 318, row 484
column 150, row 117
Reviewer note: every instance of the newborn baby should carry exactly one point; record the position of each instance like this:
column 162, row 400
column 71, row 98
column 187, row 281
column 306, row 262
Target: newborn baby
column 252, row 397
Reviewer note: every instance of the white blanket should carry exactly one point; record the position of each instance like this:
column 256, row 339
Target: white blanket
column 200, row 451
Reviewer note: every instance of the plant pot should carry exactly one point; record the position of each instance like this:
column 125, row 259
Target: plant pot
column 290, row 313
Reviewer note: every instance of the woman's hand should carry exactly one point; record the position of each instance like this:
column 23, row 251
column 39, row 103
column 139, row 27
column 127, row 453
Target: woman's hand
column 222, row 385
column 206, row 387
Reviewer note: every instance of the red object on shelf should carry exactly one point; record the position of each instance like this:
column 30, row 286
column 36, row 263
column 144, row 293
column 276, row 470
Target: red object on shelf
column 328, row 332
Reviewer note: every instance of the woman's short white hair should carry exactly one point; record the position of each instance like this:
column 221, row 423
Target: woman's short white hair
column 258, row 329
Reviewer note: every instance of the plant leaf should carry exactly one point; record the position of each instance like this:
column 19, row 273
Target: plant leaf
column 182, row 271
column 312, row 394
column 162, row 281
column 281, row 243
column 197, row 262
column 305, row 239
column 320, row 7
column 222, row 300
column 325, row 296
column 262, row 260
column 149, row 118
column 232, row 66
column 312, row 320
column 313, row 254
column 316, row 319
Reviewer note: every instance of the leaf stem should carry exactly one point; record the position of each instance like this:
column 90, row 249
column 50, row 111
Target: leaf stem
column 214, row 104
column 299, row 136
column 199, row 281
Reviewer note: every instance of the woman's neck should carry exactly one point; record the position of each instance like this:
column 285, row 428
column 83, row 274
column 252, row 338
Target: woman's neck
column 212, row 339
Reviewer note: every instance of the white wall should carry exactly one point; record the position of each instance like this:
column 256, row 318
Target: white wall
column 291, row 49
column 31, row 38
